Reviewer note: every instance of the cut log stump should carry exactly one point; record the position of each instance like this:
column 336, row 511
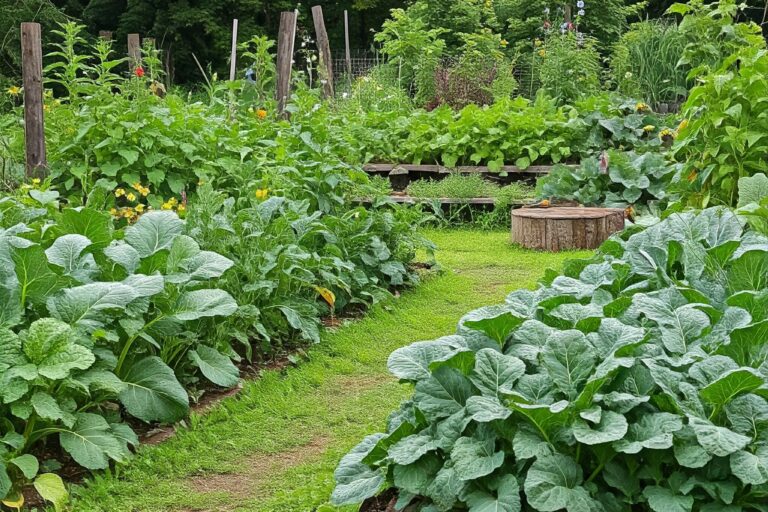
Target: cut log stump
column 562, row 229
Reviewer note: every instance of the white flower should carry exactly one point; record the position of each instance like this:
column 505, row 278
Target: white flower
column 581, row 12
column 580, row 4
column 345, row 95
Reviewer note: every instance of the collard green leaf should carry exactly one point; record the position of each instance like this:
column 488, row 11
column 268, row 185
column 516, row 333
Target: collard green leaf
column 679, row 326
column 555, row 483
column 28, row 465
column 85, row 304
column 91, row 442
column 215, row 366
column 154, row 231
column 203, row 303
column 569, row 360
column 716, row 440
column 475, row 457
column 612, row 426
column 412, row 362
column 732, row 384
column 36, row 280
column 484, row 409
column 662, row 499
column 152, row 392
column 49, row 345
column 751, row 468
column 752, row 189
column 497, row 322
column 51, row 488
column 495, row 373
column 94, row 225
column 443, row 394
column 410, row 449
column 356, row 481
column 652, row 432
column 505, row 499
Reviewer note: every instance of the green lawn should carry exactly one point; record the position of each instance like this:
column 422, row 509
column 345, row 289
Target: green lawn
column 274, row 447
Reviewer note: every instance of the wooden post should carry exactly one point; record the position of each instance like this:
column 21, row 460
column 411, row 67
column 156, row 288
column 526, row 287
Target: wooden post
column 233, row 56
column 284, row 59
column 32, row 79
column 105, row 35
column 346, row 43
column 134, row 51
column 563, row 228
column 324, row 47
column 568, row 13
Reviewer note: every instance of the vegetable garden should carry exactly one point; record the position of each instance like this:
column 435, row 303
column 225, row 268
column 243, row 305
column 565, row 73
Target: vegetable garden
column 172, row 244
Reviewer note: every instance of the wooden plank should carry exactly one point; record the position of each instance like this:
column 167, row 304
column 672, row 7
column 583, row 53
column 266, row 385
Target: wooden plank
column 325, row 67
column 233, row 54
column 348, row 54
column 34, row 118
column 284, row 59
column 134, row 51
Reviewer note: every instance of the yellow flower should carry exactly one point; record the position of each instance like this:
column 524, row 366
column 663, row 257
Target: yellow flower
column 642, row 107
column 262, row 193
column 682, row 126
column 504, row 43
column 542, row 52
column 128, row 213
column 170, row 204
column 261, row 113
column 113, row 212
column 120, row 192
column 47, row 108
column 35, row 181
column 14, row 90
column 648, row 128
column 666, row 135
column 538, row 42
column 139, row 207
column 130, row 196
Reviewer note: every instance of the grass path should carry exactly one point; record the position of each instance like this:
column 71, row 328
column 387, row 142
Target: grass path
column 274, row 447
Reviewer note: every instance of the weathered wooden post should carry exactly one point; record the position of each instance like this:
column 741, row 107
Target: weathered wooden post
column 233, row 56
column 134, row 51
column 32, row 78
column 324, row 47
column 346, row 44
column 284, row 59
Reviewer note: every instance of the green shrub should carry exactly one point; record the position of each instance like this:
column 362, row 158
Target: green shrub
column 569, row 67
column 634, row 381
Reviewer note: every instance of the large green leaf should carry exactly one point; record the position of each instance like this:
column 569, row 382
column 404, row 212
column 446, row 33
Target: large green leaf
column 36, row 280
column 652, row 432
column 679, row 326
column 152, row 392
column 495, row 373
column 154, row 231
column 215, row 366
column 753, row 189
column 662, row 499
column 554, row 482
column 611, row 426
column 569, row 360
column 412, row 362
column 49, row 345
column 716, row 440
column 474, row 457
column 91, row 442
column 94, row 225
column 85, row 305
column 203, row 303
column 355, row 481
column 443, row 394
column 506, row 497
column 732, row 384
column 52, row 489
column 497, row 322
column 67, row 252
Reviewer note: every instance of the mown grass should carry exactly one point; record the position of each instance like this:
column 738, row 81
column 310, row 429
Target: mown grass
column 274, row 447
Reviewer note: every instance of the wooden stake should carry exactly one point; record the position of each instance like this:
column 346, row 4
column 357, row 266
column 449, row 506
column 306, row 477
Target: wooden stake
column 32, row 78
column 233, row 56
column 285, row 38
column 326, row 61
column 134, row 51
column 346, row 43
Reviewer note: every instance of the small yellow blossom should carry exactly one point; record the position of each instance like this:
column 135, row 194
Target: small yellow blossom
column 261, row 113
column 648, row 128
column 113, row 212
column 504, row 43
column 35, row 181
column 666, row 135
column 139, row 208
column 130, row 196
column 128, row 213
column 542, row 53
column 120, row 192
column 642, row 107
column 14, row 90
column 538, row 42
column 262, row 193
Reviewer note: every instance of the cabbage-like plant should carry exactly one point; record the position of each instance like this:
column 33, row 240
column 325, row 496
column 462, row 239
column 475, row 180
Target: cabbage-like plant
column 637, row 380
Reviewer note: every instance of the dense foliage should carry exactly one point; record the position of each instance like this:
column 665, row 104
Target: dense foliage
column 635, row 380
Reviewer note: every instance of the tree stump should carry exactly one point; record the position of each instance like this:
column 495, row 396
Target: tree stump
column 562, row 229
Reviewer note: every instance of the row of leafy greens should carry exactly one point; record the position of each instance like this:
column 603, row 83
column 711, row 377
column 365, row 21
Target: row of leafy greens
column 634, row 380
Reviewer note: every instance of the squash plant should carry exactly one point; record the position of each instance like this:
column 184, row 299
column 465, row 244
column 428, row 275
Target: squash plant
column 89, row 318
column 636, row 380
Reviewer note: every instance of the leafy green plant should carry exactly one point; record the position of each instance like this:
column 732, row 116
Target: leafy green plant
column 616, row 179
column 633, row 381
column 645, row 63
column 753, row 201
column 91, row 318
column 569, row 67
